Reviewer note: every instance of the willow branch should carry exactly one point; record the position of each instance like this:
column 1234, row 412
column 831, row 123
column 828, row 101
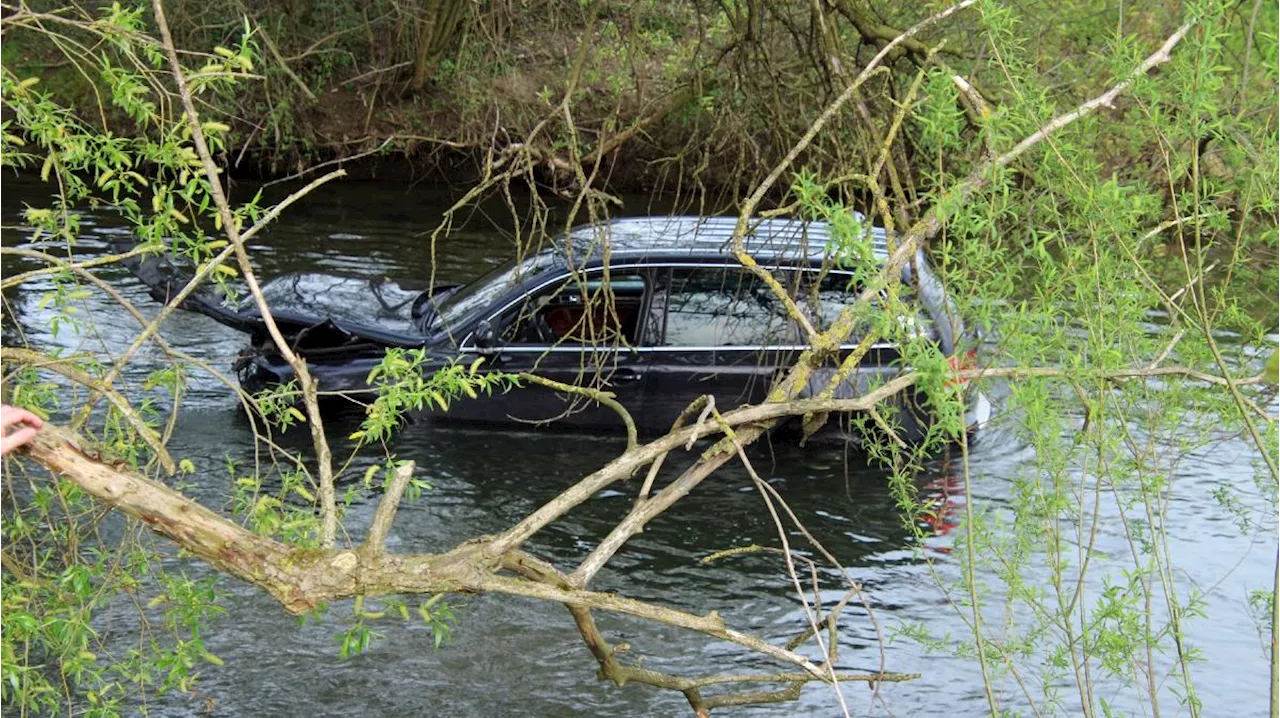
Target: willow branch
column 748, row 209
column 606, row 398
column 202, row 273
column 376, row 541
column 328, row 498
column 14, row 280
column 63, row 368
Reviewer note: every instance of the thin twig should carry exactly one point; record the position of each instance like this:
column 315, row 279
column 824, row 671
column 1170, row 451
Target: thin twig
column 603, row 397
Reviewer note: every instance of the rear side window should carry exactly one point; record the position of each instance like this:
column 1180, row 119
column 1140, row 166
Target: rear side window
column 835, row 292
column 731, row 307
column 824, row 302
column 722, row 307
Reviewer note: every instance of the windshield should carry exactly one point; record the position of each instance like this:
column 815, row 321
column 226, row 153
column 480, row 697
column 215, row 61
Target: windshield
column 487, row 289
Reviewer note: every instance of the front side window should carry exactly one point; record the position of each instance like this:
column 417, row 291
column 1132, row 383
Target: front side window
column 586, row 310
column 475, row 296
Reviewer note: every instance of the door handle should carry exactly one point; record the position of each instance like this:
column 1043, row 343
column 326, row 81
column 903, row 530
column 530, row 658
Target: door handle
column 625, row 376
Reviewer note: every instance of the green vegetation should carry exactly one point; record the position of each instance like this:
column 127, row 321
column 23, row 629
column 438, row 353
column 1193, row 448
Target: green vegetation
column 688, row 96
column 1072, row 172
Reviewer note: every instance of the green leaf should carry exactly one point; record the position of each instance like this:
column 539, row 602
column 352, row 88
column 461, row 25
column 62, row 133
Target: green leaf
column 1271, row 372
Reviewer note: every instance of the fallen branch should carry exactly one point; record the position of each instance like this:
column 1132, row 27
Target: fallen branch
column 302, row 579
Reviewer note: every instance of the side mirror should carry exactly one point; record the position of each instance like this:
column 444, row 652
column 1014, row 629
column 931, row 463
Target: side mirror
column 484, row 337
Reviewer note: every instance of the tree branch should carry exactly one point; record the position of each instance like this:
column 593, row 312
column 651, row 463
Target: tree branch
column 62, row 367
column 328, row 498
column 607, row 398
column 375, row 542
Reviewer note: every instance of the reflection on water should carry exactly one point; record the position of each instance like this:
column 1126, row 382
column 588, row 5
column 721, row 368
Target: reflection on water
column 522, row 657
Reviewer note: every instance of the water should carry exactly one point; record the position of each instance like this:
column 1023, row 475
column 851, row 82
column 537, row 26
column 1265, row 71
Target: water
column 514, row 656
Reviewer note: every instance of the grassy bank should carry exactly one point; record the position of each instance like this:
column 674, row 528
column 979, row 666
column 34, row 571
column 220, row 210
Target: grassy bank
column 681, row 96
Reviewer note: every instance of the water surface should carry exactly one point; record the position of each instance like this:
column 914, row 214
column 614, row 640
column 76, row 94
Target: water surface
column 514, row 656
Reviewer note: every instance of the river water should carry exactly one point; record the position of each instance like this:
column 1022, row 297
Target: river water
column 522, row 657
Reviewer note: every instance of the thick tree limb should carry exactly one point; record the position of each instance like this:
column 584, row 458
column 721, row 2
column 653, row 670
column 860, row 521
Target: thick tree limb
column 301, row 579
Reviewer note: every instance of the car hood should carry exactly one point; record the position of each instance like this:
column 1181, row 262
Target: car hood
column 377, row 310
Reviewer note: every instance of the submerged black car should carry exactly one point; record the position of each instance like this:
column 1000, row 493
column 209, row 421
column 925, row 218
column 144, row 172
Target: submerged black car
column 655, row 310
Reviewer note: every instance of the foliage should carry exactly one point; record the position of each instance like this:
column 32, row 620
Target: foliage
column 1067, row 259
column 404, row 386
column 745, row 79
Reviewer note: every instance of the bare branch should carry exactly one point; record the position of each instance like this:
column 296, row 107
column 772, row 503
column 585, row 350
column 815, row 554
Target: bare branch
column 376, row 541
column 603, row 397
column 1104, row 100
column 14, row 280
column 328, row 498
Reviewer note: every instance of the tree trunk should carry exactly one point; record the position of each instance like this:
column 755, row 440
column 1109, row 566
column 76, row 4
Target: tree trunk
column 436, row 27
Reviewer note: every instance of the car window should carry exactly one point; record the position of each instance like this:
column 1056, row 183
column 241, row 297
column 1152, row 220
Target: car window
column 587, row 310
column 823, row 304
column 720, row 307
column 727, row 307
column 835, row 291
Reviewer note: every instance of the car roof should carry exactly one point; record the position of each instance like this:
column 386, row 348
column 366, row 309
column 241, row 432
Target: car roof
column 684, row 240
column 710, row 238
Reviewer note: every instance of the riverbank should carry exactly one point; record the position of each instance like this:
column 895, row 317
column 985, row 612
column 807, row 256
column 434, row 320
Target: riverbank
column 645, row 97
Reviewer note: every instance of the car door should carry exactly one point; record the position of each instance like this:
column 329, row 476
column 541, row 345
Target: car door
column 721, row 332
column 583, row 330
